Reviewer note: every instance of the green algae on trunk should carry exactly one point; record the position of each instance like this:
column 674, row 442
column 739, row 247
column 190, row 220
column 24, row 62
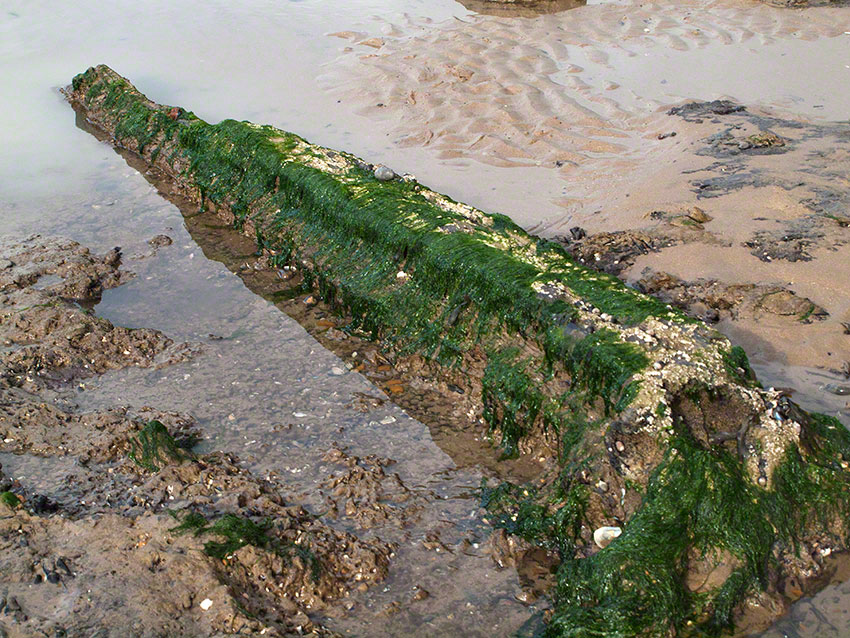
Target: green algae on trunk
column 652, row 421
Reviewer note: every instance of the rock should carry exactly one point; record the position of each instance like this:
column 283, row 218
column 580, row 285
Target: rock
column 699, row 215
column 785, row 302
column 159, row 241
column 840, row 390
column 5, row 263
column 421, row 594
column 708, row 572
column 384, row 173
column 311, row 300
column 695, row 111
column 604, row 535
column 610, row 252
column 764, row 139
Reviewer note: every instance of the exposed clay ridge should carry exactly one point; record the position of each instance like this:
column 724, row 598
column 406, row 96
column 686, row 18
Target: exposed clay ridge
column 655, row 423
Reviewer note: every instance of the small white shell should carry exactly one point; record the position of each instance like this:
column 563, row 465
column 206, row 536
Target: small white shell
column 206, row 603
column 604, row 535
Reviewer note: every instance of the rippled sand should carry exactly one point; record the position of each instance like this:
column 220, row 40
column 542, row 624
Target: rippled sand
column 520, row 92
column 582, row 96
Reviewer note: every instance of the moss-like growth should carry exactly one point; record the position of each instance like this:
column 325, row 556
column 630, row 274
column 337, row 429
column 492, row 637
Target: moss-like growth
column 10, row 499
column 698, row 508
column 153, row 447
column 424, row 277
column 738, row 367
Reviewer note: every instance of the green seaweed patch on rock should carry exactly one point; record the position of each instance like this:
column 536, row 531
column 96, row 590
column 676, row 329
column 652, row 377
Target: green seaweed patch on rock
column 10, row 499
column 238, row 531
column 703, row 539
column 153, row 446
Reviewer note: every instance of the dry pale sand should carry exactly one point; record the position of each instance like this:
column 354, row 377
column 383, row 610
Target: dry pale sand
column 583, row 95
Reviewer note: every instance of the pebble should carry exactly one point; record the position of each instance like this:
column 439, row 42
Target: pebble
column 387, row 420
column 311, row 301
column 421, row 594
column 620, row 447
column 159, row 241
column 384, row 173
column 602, row 486
column 337, row 371
column 206, row 603
column 699, row 215
column 840, row 390
column 604, row 535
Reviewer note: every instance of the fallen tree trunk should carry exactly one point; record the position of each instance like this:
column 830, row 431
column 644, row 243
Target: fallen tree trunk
column 722, row 490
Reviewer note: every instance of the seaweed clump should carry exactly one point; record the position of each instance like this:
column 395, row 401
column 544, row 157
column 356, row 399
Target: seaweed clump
column 153, row 447
column 10, row 499
column 237, row 531
column 704, row 538
column 413, row 269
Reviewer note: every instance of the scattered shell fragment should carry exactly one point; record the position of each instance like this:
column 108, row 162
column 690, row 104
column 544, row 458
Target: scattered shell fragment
column 604, row 535
column 206, row 603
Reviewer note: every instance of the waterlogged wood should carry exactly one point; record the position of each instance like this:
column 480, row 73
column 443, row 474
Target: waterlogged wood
column 652, row 422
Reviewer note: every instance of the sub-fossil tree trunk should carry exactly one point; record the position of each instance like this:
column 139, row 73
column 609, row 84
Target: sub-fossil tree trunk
column 654, row 423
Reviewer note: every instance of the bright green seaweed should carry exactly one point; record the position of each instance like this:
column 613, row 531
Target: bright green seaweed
column 361, row 233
